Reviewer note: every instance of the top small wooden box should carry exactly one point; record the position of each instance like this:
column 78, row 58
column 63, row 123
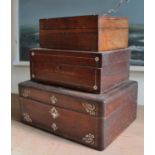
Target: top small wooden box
column 91, row 33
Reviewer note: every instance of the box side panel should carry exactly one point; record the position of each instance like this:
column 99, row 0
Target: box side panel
column 116, row 56
column 114, row 75
column 112, row 22
column 111, row 39
column 122, row 117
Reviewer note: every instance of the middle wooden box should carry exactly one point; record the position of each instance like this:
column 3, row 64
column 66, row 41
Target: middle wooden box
column 94, row 72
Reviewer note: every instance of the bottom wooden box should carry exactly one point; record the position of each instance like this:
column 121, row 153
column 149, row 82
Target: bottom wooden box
column 94, row 120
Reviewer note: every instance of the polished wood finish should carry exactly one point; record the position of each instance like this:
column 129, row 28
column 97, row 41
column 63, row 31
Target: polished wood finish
column 86, row 71
column 42, row 142
column 90, row 119
column 91, row 33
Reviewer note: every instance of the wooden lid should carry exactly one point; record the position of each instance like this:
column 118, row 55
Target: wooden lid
column 80, row 58
column 83, row 22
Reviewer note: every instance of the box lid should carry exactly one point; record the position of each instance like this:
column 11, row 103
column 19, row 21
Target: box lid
column 80, row 58
column 98, row 105
column 84, row 22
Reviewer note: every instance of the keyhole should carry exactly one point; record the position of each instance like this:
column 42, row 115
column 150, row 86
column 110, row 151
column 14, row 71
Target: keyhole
column 59, row 68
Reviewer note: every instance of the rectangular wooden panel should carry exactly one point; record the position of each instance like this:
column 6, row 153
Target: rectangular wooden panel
column 91, row 33
column 66, row 123
column 69, row 39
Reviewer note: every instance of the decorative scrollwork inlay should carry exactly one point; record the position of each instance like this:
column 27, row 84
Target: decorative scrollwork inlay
column 89, row 139
column 26, row 117
column 54, row 127
column 53, row 99
column 90, row 108
column 54, row 113
column 26, row 92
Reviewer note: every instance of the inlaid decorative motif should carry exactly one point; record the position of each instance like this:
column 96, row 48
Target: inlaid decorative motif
column 53, row 99
column 90, row 108
column 27, row 117
column 54, row 113
column 95, row 87
column 26, row 92
column 32, row 53
column 54, row 127
column 97, row 59
column 89, row 139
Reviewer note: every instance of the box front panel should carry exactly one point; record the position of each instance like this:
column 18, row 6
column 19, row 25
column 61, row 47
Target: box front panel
column 49, row 70
column 119, row 120
column 70, row 39
column 69, row 124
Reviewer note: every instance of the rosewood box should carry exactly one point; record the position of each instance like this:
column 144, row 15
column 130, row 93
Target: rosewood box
column 94, row 120
column 90, row 33
column 94, row 72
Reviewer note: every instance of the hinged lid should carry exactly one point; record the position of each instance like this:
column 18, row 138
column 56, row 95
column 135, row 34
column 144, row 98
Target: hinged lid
column 100, row 104
column 80, row 58
column 84, row 22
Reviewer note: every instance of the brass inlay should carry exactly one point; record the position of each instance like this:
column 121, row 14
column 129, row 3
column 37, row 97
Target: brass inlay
column 95, row 87
column 90, row 108
column 89, row 139
column 97, row 59
column 26, row 92
column 32, row 53
column 53, row 99
column 54, row 113
column 54, row 127
column 27, row 117
column 33, row 76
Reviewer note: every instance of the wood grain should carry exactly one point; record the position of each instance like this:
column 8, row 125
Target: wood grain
column 91, row 33
column 96, row 128
column 80, row 70
column 131, row 141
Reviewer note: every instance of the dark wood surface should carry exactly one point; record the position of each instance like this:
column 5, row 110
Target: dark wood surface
column 86, row 71
column 25, row 137
column 84, row 33
column 74, row 100
column 103, row 117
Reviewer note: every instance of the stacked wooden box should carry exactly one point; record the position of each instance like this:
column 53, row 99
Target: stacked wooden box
column 79, row 87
